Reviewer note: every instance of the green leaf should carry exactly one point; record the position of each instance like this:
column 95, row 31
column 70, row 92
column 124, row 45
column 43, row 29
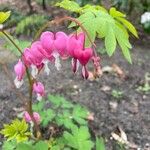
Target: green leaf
column 110, row 40
column 79, row 138
column 69, row 5
column 9, row 145
column 80, row 114
column 129, row 26
column 123, row 43
column 114, row 13
column 41, row 145
column 23, row 146
column 55, row 100
column 100, row 145
column 4, row 16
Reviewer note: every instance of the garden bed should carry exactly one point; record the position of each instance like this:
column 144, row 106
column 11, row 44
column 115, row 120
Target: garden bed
column 130, row 112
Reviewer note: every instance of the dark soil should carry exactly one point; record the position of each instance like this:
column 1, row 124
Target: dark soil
column 131, row 112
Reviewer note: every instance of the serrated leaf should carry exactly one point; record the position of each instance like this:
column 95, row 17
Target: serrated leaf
column 110, row 40
column 114, row 13
column 129, row 26
column 123, row 43
column 79, row 138
column 69, row 5
column 100, row 145
column 121, row 26
column 4, row 16
column 80, row 114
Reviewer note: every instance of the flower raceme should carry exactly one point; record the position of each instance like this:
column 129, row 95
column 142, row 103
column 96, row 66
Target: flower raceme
column 50, row 48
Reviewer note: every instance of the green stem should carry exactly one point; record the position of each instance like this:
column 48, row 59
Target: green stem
column 30, row 110
column 11, row 40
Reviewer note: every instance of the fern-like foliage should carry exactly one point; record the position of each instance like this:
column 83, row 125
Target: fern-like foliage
column 110, row 25
column 16, row 130
column 79, row 139
column 30, row 25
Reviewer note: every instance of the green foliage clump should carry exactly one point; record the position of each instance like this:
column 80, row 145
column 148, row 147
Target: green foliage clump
column 62, row 112
column 30, row 25
column 110, row 26
column 16, row 130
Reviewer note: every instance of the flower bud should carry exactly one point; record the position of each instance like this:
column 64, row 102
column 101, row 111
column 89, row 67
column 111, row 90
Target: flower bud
column 19, row 69
column 39, row 89
column 36, row 116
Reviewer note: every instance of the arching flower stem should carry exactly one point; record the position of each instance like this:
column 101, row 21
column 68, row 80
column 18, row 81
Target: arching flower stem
column 30, row 81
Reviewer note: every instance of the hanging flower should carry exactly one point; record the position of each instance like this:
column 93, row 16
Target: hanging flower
column 19, row 69
column 75, row 42
column 39, row 89
column 55, row 44
column 77, row 50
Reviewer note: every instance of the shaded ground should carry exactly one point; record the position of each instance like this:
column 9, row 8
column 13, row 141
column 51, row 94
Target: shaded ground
column 132, row 110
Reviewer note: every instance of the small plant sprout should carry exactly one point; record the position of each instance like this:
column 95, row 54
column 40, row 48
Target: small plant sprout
column 117, row 94
column 146, row 86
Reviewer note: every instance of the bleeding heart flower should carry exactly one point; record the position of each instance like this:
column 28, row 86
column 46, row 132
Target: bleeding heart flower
column 36, row 52
column 75, row 43
column 47, row 40
column 36, row 116
column 39, row 89
column 27, row 57
column 19, row 69
column 76, row 49
column 55, row 44
column 84, row 55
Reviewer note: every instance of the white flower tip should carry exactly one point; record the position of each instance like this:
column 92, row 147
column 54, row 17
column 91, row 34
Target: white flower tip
column 57, row 61
column 46, row 68
column 34, row 71
column 18, row 83
column 39, row 97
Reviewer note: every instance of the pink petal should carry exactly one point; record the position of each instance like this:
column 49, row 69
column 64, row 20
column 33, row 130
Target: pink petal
column 61, row 43
column 47, row 40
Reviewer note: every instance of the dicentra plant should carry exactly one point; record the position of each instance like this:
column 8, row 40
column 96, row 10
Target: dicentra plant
column 55, row 123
